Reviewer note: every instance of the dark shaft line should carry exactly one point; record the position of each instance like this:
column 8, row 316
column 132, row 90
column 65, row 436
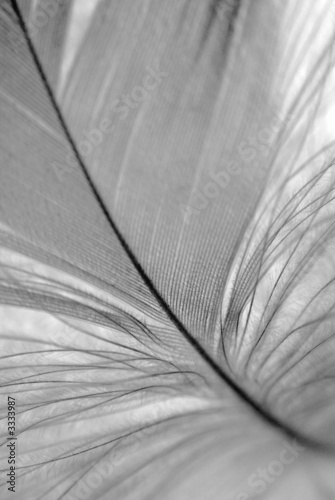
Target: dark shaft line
column 261, row 412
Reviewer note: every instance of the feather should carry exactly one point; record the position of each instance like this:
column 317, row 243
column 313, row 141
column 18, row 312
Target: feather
column 162, row 340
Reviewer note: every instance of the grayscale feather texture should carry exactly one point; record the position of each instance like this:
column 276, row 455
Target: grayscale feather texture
column 113, row 400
